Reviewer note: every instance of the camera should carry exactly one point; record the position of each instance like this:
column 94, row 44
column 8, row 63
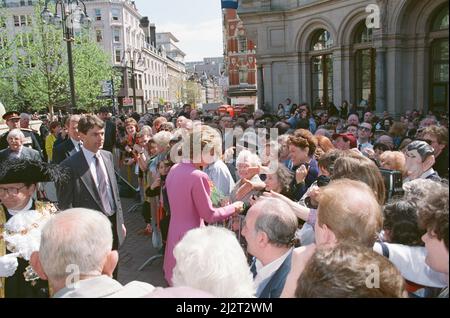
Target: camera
column 323, row 181
column 393, row 182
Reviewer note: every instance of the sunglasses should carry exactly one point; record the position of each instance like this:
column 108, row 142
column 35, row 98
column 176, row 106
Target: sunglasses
column 364, row 128
column 428, row 141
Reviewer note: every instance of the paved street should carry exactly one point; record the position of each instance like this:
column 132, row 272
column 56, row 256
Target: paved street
column 136, row 250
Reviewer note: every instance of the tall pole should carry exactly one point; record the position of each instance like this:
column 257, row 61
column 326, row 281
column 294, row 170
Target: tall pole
column 69, row 39
column 134, row 84
column 71, row 77
column 68, row 34
column 113, row 97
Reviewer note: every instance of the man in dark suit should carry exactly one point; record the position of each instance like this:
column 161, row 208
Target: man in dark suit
column 12, row 119
column 16, row 149
column 93, row 184
column 110, row 129
column 269, row 230
column 71, row 145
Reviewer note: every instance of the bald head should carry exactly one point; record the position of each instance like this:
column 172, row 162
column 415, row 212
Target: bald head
column 76, row 237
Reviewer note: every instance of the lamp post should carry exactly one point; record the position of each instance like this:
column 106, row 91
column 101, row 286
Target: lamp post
column 133, row 54
column 73, row 12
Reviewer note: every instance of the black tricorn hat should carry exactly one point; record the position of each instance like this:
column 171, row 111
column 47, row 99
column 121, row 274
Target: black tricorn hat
column 30, row 172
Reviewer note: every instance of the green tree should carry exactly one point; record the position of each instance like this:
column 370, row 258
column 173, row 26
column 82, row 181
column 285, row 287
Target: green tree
column 92, row 66
column 193, row 92
column 44, row 83
column 7, row 89
column 39, row 73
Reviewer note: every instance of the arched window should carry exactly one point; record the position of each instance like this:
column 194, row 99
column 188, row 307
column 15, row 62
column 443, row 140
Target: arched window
column 365, row 59
column 322, row 40
column 441, row 20
column 321, row 69
column 363, row 34
column 439, row 61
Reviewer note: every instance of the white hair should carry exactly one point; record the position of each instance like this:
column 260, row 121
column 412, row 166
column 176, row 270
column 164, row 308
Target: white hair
column 16, row 133
column 418, row 189
column 211, row 259
column 162, row 138
column 76, row 237
column 245, row 156
column 146, row 130
column 25, row 116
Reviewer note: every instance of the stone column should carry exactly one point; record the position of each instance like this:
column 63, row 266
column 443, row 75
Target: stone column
column 260, row 87
column 338, row 72
column 268, row 96
column 380, row 81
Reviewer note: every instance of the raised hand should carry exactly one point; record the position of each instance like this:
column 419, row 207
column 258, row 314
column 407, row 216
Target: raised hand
column 301, row 173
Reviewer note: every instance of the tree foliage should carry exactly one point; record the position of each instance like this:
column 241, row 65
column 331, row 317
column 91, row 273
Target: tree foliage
column 38, row 77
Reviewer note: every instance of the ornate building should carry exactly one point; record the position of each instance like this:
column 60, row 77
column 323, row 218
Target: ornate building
column 392, row 55
column 240, row 61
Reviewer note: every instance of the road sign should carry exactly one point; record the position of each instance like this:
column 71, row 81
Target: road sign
column 106, row 88
column 127, row 101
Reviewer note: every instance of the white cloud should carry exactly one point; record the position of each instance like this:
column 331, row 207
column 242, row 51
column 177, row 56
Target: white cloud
column 197, row 40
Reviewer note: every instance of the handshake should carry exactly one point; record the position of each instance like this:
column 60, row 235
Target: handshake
column 240, row 207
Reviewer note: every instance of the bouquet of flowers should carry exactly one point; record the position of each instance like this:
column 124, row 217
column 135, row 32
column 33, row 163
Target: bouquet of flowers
column 216, row 196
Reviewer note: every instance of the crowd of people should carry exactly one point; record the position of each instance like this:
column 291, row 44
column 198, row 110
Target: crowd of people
column 292, row 204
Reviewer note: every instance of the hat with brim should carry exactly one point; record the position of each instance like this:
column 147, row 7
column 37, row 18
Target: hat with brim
column 11, row 115
column 31, row 172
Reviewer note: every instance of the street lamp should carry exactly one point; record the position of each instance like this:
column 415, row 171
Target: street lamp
column 133, row 53
column 73, row 14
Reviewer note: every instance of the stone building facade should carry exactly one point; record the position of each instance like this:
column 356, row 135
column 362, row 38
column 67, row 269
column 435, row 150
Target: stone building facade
column 240, row 52
column 389, row 54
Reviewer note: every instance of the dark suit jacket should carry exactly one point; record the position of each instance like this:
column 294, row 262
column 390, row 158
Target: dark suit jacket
column 275, row 285
column 63, row 151
column 27, row 153
column 110, row 136
column 80, row 191
column 30, row 140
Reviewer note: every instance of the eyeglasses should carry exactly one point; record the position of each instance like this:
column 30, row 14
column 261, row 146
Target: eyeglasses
column 10, row 191
column 364, row 128
column 428, row 141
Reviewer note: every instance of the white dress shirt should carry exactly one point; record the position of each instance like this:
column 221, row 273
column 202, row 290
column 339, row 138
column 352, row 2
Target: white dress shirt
column 26, row 208
column 263, row 273
column 89, row 155
column 16, row 154
column 76, row 144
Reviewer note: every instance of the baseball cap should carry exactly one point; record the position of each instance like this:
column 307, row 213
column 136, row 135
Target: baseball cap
column 347, row 137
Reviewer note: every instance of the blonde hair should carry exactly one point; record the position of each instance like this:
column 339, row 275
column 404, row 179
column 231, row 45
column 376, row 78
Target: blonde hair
column 393, row 160
column 350, row 210
column 353, row 166
column 200, row 139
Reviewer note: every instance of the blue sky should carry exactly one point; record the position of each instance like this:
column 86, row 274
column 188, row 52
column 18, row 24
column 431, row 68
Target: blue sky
column 196, row 23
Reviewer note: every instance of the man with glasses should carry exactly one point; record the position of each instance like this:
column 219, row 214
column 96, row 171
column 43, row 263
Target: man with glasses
column 364, row 135
column 18, row 183
column 437, row 137
column 352, row 129
column 12, row 120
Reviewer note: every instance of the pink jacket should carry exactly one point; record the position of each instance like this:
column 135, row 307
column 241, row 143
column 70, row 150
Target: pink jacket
column 188, row 191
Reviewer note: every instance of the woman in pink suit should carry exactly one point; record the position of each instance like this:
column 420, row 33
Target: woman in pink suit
column 188, row 190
